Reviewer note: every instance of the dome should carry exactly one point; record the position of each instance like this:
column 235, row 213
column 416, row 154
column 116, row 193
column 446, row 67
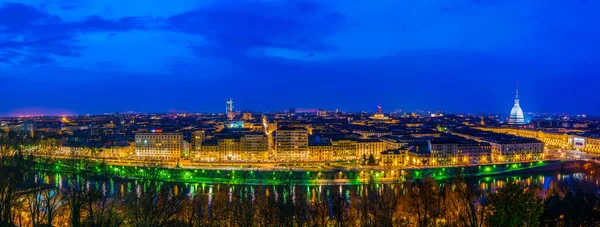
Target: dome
column 516, row 115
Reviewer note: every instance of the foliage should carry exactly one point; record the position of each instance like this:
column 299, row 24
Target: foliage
column 514, row 205
column 371, row 160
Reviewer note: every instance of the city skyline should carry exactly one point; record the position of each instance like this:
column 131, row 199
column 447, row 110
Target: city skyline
column 299, row 113
column 87, row 57
column 37, row 112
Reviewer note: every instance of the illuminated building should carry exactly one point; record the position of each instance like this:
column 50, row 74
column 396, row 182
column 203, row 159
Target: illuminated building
column 291, row 144
column 197, row 139
column 230, row 148
column 75, row 151
column 425, row 134
column 367, row 147
column 247, row 116
column 516, row 114
column 392, row 158
column 590, row 143
column 473, row 152
column 448, row 151
column 379, row 115
column 438, row 113
column 320, row 150
column 306, row 126
column 255, row 147
column 120, row 150
column 344, row 149
column 229, row 109
column 27, row 127
column 506, row 147
column 158, row 146
column 208, row 152
column 392, row 142
column 515, row 151
column 235, row 124
column 419, row 154
column 366, row 133
column 443, row 151
column 321, row 113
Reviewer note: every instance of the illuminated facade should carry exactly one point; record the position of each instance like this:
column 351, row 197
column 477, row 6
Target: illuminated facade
column 117, row 151
column 255, row 147
column 448, row 152
column 158, row 146
column 372, row 133
column 197, row 139
column 592, row 145
column 443, row 152
column 473, row 152
column 392, row 158
column 563, row 140
column 230, row 149
column 367, row 147
column 247, row 116
column 379, row 116
column 418, row 155
column 507, row 148
column 208, row 152
column 344, row 149
column 321, row 152
column 518, row 151
column 291, row 144
column 321, row 113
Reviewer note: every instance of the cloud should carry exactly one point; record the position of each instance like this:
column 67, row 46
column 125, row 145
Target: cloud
column 187, row 38
column 140, row 51
column 236, row 29
column 38, row 37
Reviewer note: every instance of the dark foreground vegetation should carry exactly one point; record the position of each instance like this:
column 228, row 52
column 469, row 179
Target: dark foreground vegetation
column 26, row 199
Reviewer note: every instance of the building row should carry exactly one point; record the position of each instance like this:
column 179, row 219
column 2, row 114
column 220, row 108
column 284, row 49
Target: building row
column 444, row 151
column 287, row 144
column 506, row 147
column 575, row 141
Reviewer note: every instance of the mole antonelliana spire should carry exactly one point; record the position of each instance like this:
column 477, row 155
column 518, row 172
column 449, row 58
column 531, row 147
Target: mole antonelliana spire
column 516, row 114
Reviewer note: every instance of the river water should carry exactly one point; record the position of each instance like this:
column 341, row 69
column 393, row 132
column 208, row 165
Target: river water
column 120, row 187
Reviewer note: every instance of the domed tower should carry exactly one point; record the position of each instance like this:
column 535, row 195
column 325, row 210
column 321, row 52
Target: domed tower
column 516, row 114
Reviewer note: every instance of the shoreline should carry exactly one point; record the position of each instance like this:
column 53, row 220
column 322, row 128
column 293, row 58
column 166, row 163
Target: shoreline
column 301, row 176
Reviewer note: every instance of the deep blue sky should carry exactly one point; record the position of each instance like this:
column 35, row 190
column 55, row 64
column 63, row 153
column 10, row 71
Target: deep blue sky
column 75, row 56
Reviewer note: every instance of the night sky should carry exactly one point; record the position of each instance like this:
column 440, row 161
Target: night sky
column 72, row 56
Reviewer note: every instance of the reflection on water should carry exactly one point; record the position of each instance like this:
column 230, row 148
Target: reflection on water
column 110, row 186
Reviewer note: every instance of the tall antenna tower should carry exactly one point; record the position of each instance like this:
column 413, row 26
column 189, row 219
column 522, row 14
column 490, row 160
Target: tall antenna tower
column 229, row 105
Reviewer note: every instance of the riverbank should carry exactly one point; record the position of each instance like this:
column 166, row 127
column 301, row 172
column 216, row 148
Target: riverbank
column 296, row 176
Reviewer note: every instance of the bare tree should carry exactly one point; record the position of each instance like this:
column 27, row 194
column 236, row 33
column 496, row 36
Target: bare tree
column 75, row 192
column 268, row 210
column 151, row 204
column 318, row 210
column 52, row 203
column 422, row 203
column 468, row 204
column 100, row 209
column 243, row 208
column 339, row 208
column 13, row 169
